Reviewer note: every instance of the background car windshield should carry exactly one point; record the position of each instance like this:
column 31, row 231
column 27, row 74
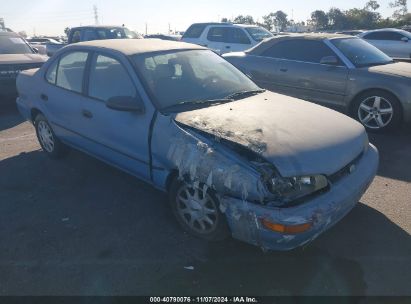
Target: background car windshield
column 14, row 45
column 190, row 76
column 360, row 52
column 258, row 33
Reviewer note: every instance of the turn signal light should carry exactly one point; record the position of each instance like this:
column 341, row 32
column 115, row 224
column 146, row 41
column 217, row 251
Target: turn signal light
column 286, row 229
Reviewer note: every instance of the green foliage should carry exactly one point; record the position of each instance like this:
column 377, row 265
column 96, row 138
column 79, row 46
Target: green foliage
column 361, row 18
column 276, row 21
column 244, row 19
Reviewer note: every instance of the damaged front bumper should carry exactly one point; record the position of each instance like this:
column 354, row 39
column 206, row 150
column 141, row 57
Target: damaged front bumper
column 322, row 212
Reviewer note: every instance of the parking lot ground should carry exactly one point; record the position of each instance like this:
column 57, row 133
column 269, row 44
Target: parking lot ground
column 80, row 227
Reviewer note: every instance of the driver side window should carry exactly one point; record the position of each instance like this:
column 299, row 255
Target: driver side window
column 109, row 78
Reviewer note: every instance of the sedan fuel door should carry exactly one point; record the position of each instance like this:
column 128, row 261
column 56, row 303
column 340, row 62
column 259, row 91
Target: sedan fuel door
column 115, row 118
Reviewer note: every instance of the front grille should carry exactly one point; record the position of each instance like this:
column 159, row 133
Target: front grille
column 346, row 170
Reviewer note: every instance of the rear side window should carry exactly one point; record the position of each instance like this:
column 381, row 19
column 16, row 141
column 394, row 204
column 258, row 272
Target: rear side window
column 300, row 50
column 194, row 31
column 384, row 36
column 52, row 73
column 227, row 35
column 76, row 37
column 236, row 35
column 109, row 78
column 70, row 71
column 218, row 34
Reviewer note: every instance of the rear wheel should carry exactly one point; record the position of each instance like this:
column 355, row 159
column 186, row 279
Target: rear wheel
column 378, row 111
column 197, row 210
column 53, row 147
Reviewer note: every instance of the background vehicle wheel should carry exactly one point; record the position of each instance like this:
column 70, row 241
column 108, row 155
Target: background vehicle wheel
column 47, row 139
column 197, row 210
column 378, row 111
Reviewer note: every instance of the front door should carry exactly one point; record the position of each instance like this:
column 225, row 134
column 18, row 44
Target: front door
column 118, row 137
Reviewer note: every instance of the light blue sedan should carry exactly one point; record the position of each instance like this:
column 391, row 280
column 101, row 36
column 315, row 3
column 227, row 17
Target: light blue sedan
column 268, row 169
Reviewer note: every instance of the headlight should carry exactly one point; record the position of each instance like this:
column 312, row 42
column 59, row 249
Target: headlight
column 292, row 188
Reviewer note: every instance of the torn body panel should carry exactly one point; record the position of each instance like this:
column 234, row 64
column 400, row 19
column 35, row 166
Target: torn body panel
column 239, row 186
column 322, row 212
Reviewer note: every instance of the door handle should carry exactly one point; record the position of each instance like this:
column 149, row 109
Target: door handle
column 87, row 114
column 284, row 70
column 228, row 47
column 44, row 97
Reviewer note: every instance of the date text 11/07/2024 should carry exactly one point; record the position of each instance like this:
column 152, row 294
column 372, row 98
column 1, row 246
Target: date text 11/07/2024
column 203, row 300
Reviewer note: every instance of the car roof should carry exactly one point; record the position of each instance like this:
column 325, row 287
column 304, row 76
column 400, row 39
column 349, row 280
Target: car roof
column 385, row 30
column 225, row 24
column 138, row 46
column 267, row 43
column 97, row 26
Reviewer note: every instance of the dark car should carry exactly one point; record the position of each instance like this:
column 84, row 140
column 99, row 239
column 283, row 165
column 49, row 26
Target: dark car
column 15, row 55
column 342, row 72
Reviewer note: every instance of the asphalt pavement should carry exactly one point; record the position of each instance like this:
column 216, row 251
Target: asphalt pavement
column 80, row 227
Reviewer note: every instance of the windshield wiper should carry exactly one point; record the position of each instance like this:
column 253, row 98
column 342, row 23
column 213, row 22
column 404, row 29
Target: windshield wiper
column 197, row 102
column 244, row 94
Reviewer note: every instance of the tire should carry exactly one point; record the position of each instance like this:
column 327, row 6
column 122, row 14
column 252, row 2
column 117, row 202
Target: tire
column 198, row 215
column 49, row 142
column 377, row 111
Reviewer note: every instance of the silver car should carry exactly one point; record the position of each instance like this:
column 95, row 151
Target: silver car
column 342, row 72
column 393, row 42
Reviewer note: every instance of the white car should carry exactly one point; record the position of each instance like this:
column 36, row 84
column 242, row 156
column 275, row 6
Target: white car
column 393, row 42
column 225, row 37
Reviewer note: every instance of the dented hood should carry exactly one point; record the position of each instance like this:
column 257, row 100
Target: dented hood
column 296, row 136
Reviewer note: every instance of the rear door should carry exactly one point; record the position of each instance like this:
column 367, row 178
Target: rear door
column 300, row 73
column 225, row 39
column 63, row 96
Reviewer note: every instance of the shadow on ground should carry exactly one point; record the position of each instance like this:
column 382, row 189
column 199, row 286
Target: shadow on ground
column 9, row 116
column 80, row 227
column 395, row 158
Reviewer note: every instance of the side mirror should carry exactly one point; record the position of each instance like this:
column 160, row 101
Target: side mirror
column 125, row 104
column 405, row 39
column 330, row 60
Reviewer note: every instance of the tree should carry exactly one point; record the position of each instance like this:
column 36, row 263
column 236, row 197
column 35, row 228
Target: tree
column 224, row 20
column 67, row 31
column 362, row 18
column 319, row 19
column 244, row 19
column 337, row 19
column 400, row 8
column 372, row 5
column 280, row 20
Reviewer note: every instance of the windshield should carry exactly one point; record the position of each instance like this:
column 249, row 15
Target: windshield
column 258, row 33
column 14, row 45
column 190, row 77
column 360, row 52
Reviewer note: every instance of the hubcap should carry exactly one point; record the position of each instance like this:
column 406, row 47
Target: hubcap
column 45, row 136
column 375, row 112
column 197, row 209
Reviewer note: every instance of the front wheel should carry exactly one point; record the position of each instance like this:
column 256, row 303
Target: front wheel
column 378, row 111
column 196, row 208
column 47, row 139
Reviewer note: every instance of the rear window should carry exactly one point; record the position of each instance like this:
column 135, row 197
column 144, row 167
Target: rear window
column 194, row 31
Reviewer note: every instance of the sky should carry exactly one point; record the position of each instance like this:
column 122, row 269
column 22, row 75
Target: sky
column 51, row 17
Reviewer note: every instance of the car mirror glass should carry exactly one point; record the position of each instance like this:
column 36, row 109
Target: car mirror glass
column 125, row 104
